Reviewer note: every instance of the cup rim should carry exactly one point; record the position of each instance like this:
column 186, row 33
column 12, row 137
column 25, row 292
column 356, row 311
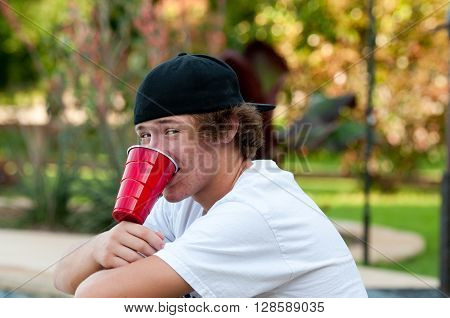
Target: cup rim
column 157, row 150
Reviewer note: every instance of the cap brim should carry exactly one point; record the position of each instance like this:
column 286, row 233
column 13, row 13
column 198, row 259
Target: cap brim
column 262, row 107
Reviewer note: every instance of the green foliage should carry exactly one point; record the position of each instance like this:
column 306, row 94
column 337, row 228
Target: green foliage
column 70, row 181
column 98, row 193
column 15, row 62
column 273, row 21
column 50, row 186
column 95, row 190
column 324, row 44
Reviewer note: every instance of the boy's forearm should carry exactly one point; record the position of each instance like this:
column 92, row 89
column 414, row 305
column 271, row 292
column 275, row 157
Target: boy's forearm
column 76, row 266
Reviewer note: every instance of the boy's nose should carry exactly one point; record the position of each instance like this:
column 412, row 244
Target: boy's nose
column 155, row 143
column 152, row 142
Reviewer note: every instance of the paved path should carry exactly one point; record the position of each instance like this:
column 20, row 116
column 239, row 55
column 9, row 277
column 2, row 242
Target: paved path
column 386, row 244
column 27, row 258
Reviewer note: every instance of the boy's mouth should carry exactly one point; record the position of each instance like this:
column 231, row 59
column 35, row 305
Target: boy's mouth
column 172, row 181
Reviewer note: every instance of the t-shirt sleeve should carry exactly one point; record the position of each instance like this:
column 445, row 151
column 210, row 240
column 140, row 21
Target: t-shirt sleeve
column 159, row 220
column 230, row 252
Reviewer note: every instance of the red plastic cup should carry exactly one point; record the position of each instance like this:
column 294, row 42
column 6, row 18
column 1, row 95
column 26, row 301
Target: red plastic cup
column 147, row 172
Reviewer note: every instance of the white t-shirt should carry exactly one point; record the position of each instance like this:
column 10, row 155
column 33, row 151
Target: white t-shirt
column 265, row 238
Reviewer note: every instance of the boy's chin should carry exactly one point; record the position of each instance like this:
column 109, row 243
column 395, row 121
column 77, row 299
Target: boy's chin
column 173, row 196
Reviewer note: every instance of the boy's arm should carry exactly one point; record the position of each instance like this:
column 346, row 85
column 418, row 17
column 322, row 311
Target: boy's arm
column 75, row 266
column 148, row 277
column 123, row 244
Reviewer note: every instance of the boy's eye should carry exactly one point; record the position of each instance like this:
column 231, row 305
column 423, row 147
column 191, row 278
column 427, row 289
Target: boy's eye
column 145, row 135
column 144, row 139
column 172, row 131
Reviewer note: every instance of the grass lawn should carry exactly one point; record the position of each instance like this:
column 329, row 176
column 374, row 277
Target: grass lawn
column 411, row 208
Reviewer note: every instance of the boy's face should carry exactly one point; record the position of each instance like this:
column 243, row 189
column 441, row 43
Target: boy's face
column 178, row 137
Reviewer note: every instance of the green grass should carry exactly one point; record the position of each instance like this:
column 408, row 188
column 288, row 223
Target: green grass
column 412, row 208
column 323, row 162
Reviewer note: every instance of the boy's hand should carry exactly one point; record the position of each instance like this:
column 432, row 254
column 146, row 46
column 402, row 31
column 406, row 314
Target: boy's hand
column 126, row 243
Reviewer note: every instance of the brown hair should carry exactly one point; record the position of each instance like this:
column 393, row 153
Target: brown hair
column 249, row 136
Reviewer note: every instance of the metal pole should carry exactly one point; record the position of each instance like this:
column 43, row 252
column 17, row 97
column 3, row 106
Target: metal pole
column 445, row 186
column 370, row 122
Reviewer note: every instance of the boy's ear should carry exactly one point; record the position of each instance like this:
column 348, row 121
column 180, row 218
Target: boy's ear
column 231, row 132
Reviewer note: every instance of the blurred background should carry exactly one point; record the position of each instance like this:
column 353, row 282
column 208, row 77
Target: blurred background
column 69, row 70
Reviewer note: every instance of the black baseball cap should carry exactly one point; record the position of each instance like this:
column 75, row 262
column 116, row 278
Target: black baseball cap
column 189, row 84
